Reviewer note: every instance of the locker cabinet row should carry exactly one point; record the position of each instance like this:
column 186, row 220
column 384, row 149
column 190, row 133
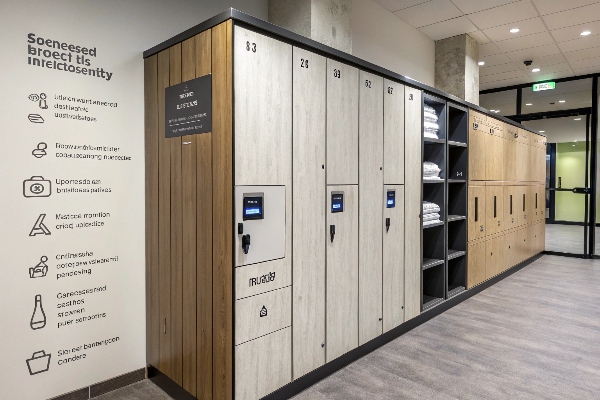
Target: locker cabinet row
column 337, row 133
column 496, row 208
column 493, row 255
column 503, row 152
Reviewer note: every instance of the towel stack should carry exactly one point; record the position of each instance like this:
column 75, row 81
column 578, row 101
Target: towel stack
column 431, row 171
column 430, row 127
column 431, row 213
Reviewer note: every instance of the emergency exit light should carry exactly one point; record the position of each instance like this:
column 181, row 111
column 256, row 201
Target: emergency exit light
column 537, row 87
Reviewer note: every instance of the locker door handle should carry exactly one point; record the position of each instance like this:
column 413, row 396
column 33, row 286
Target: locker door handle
column 246, row 243
column 523, row 203
column 476, row 208
column 495, row 214
column 536, row 201
column 511, row 211
column 332, row 232
column 387, row 224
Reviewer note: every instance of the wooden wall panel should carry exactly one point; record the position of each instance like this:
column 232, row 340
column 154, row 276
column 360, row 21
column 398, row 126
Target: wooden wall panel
column 222, row 144
column 153, row 325
column 164, row 218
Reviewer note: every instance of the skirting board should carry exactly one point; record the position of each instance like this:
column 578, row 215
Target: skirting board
column 104, row 387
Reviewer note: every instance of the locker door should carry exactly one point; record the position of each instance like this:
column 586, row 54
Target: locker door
column 476, row 263
column 370, row 172
column 522, row 155
column 393, row 149
column 263, row 109
column 342, row 271
column 477, row 213
column 510, row 153
column 493, row 256
column 511, row 207
column 494, row 198
column 523, row 199
column 494, row 152
column 342, row 124
column 511, row 240
column 538, row 203
column 393, row 258
column 309, row 211
column 477, row 143
column 412, row 201
column 523, row 244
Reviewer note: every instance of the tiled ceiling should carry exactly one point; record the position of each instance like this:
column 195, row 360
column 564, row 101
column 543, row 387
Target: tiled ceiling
column 549, row 34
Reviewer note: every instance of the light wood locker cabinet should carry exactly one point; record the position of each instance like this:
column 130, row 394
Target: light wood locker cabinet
column 523, row 153
column 494, row 151
column 413, row 205
column 342, row 273
column 370, row 173
column 494, row 256
column 393, row 134
column 511, row 241
column 477, row 146
column 263, row 110
column 342, row 124
column 477, row 212
column 510, row 152
column 393, row 259
column 538, row 202
column 309, row 211
column 523, row 204
column 494, row 207
column 511, row 206
column 476, row 263
column 523, row 235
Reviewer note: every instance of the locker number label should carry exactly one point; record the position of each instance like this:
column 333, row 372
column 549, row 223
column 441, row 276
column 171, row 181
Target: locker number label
column 303, row 63
column 410, row 97
column 251, row 47
column 368, row 83
column 337, row 73
column 390, row 90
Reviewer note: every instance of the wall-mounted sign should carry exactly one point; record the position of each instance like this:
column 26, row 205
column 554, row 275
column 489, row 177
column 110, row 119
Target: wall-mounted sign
column 538, row 87
column 188, row 107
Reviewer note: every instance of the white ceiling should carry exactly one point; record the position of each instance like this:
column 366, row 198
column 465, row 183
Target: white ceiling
column 549, row 34
column 560, row 130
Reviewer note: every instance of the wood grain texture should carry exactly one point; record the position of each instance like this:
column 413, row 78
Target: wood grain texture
column 164, row 218
column 510, row 163
column 393, row 125
column 523, row 166
column 153, row 325
column 263, row 109
column 342, row 124
column 393, row 261
column 222, row 168
column 371, row 202
column 176, row 243
column 510, row 253
column 477, row 212
column 309, row 212
column 494, row 208
column 523, row 204
column 476, row 263
column 494, row 153
column 494, row 255
column 279, row 269
column 511, row 206
column 477, row 143
column 342, row 275
column 413, row 206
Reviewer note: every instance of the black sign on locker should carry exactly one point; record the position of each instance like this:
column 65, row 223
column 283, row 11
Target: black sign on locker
column 188, row 107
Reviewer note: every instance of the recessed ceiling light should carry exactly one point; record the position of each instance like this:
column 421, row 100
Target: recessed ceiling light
column 514, row 30
column 497, row 111
column 542, row 131
column 535, row 70
column 528, row 104
column 577, row 119
column 481, row 63
column 585, row 33
column 562, row 101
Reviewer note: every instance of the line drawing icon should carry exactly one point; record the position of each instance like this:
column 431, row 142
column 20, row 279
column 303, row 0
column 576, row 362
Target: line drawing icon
column 40, row 270
column 39, row 228
column 39, row 362
column 36, row 118
column 38, row 318
column 40, row 150
column 37, row 186
column 41, row 99
column 263, row 311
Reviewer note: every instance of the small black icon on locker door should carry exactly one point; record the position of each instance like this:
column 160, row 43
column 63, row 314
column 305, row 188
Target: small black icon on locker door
column 263, row 311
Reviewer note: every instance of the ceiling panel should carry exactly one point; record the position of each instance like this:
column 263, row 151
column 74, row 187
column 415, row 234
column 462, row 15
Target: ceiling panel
column 395, row 5
column 488, row 50
column 531, row 54
column 497, row 69
column 502, row 76
column 429, row 13
column 582, row 54
column 587, row 71
column 497, row 59
column 586, row 64
column 504, row 82
column 549, row 71
column 480, row 37
column 527, row 27
column 525, row 42
column 542, row 62
column 472, row 6
column 580, row 44
column 573, row 32
column 554, row 6
column 576, row 16
column 503, row 15
column 449, row 28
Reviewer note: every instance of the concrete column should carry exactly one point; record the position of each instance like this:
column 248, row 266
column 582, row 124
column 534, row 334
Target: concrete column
column 326, row 21
column 457, row 68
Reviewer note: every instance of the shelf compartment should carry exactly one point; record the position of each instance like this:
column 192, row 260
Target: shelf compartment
column 452, row 218
column 458, row 162
column 457, row 275
column 455, row 291
column 458, row 124
column 457, row 199
column 436, row 153
column 439, row 105
column 441, row 223
column 457, row 235
column 431, row 262
column 434, row 242
column 452, row 254
column 430, row 302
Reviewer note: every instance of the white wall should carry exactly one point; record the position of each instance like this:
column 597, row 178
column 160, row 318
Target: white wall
column 378, row 36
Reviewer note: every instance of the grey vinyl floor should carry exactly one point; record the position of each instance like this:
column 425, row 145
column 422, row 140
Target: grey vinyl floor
column 566, row 239
column 534, row 335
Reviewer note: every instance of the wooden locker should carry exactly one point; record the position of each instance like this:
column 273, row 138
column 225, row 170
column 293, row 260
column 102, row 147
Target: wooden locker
column 342, row 273
column 511, row 206
column 538, row 236
column 523, row 204
column 342, row 124
column 413, row 205
column 494, row 152
column 370, row 181
column 494, row 256
column 523, row 243
column 511, row 241
column 477, row 212
column 477, row 146
column 522, row 155
column 393, row 259
column 309, row 211
column 510, row 152
column 393, row 134
column 494, row 201
column 476, row 263
column 263, row 109
column 538, row 202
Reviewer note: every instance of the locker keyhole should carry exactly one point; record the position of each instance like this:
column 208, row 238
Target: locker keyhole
column 246, row 243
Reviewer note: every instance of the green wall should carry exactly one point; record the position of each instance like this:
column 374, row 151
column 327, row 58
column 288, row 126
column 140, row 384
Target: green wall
column 570, row 166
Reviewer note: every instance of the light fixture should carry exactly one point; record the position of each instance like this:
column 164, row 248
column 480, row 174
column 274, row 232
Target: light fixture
column 577, row 119
column 542, row 131
column 497, row 111
column 481, row 63
column 562, row 101
column 585, row 33
column 528, row 104
column 535, row 70
column 514, row 30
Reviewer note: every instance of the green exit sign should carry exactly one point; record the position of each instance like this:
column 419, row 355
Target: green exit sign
column 537, row 87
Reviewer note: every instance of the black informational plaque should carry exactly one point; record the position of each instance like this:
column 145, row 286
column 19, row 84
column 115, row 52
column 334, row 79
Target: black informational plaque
column 188, row 107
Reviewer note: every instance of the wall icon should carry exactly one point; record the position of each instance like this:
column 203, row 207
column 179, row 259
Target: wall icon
column 39, row 362
column 36, row 118
column 40, row 270
column 39, row 228
column 37, row 186
column 40, row 151
column 41, row 99
column 38, row 318
column 263, row 311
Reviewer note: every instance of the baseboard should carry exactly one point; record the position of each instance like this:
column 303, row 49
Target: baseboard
column 101, row 388
column 168, row 385
column 295, row 387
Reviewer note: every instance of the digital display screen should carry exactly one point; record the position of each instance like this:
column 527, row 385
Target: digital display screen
column 391, row 199
column 337, row 202
column 253, row 208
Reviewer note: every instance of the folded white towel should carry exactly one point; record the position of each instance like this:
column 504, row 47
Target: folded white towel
column 431, row 126
column 431, row 135
column 429, row 109
column 431, row 178
column 429, row 208
column 431, row 217
column 433, row 221
column 430, row 166
column 430, row 117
